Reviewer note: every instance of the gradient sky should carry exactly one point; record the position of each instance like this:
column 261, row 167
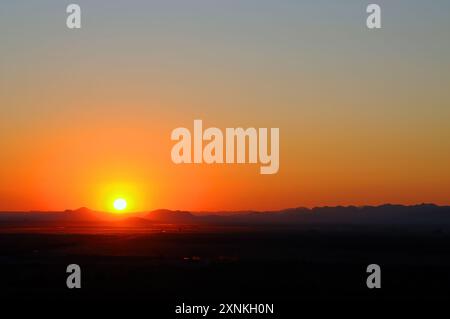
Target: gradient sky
column 86, row 115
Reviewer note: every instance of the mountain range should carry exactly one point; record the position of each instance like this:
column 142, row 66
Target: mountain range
column 388, row 214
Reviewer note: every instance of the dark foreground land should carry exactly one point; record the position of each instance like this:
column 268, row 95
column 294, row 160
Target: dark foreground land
column 287, row 265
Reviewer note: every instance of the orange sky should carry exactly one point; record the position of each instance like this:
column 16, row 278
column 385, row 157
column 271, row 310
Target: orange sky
column 86, row 116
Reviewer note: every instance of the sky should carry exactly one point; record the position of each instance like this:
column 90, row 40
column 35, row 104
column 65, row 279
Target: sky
column 86, row 115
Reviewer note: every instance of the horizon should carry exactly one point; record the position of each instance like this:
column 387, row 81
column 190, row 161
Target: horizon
column 220, row 211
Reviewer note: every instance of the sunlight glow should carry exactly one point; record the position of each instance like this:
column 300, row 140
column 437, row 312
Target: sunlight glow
column 120, row 204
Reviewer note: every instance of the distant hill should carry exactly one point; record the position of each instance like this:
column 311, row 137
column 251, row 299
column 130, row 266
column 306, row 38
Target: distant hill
column 389, row 214
column 169, row 216
column 373, row 215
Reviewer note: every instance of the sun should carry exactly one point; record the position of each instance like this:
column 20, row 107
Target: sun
column 120, row 204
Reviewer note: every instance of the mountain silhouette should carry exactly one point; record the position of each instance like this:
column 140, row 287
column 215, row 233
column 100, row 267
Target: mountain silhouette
column 387, row 214
column 168, row 216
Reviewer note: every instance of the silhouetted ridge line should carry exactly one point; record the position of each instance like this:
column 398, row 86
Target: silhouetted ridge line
column 386, row 214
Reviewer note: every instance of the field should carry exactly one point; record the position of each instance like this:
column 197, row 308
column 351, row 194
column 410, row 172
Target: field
column 227, row 264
